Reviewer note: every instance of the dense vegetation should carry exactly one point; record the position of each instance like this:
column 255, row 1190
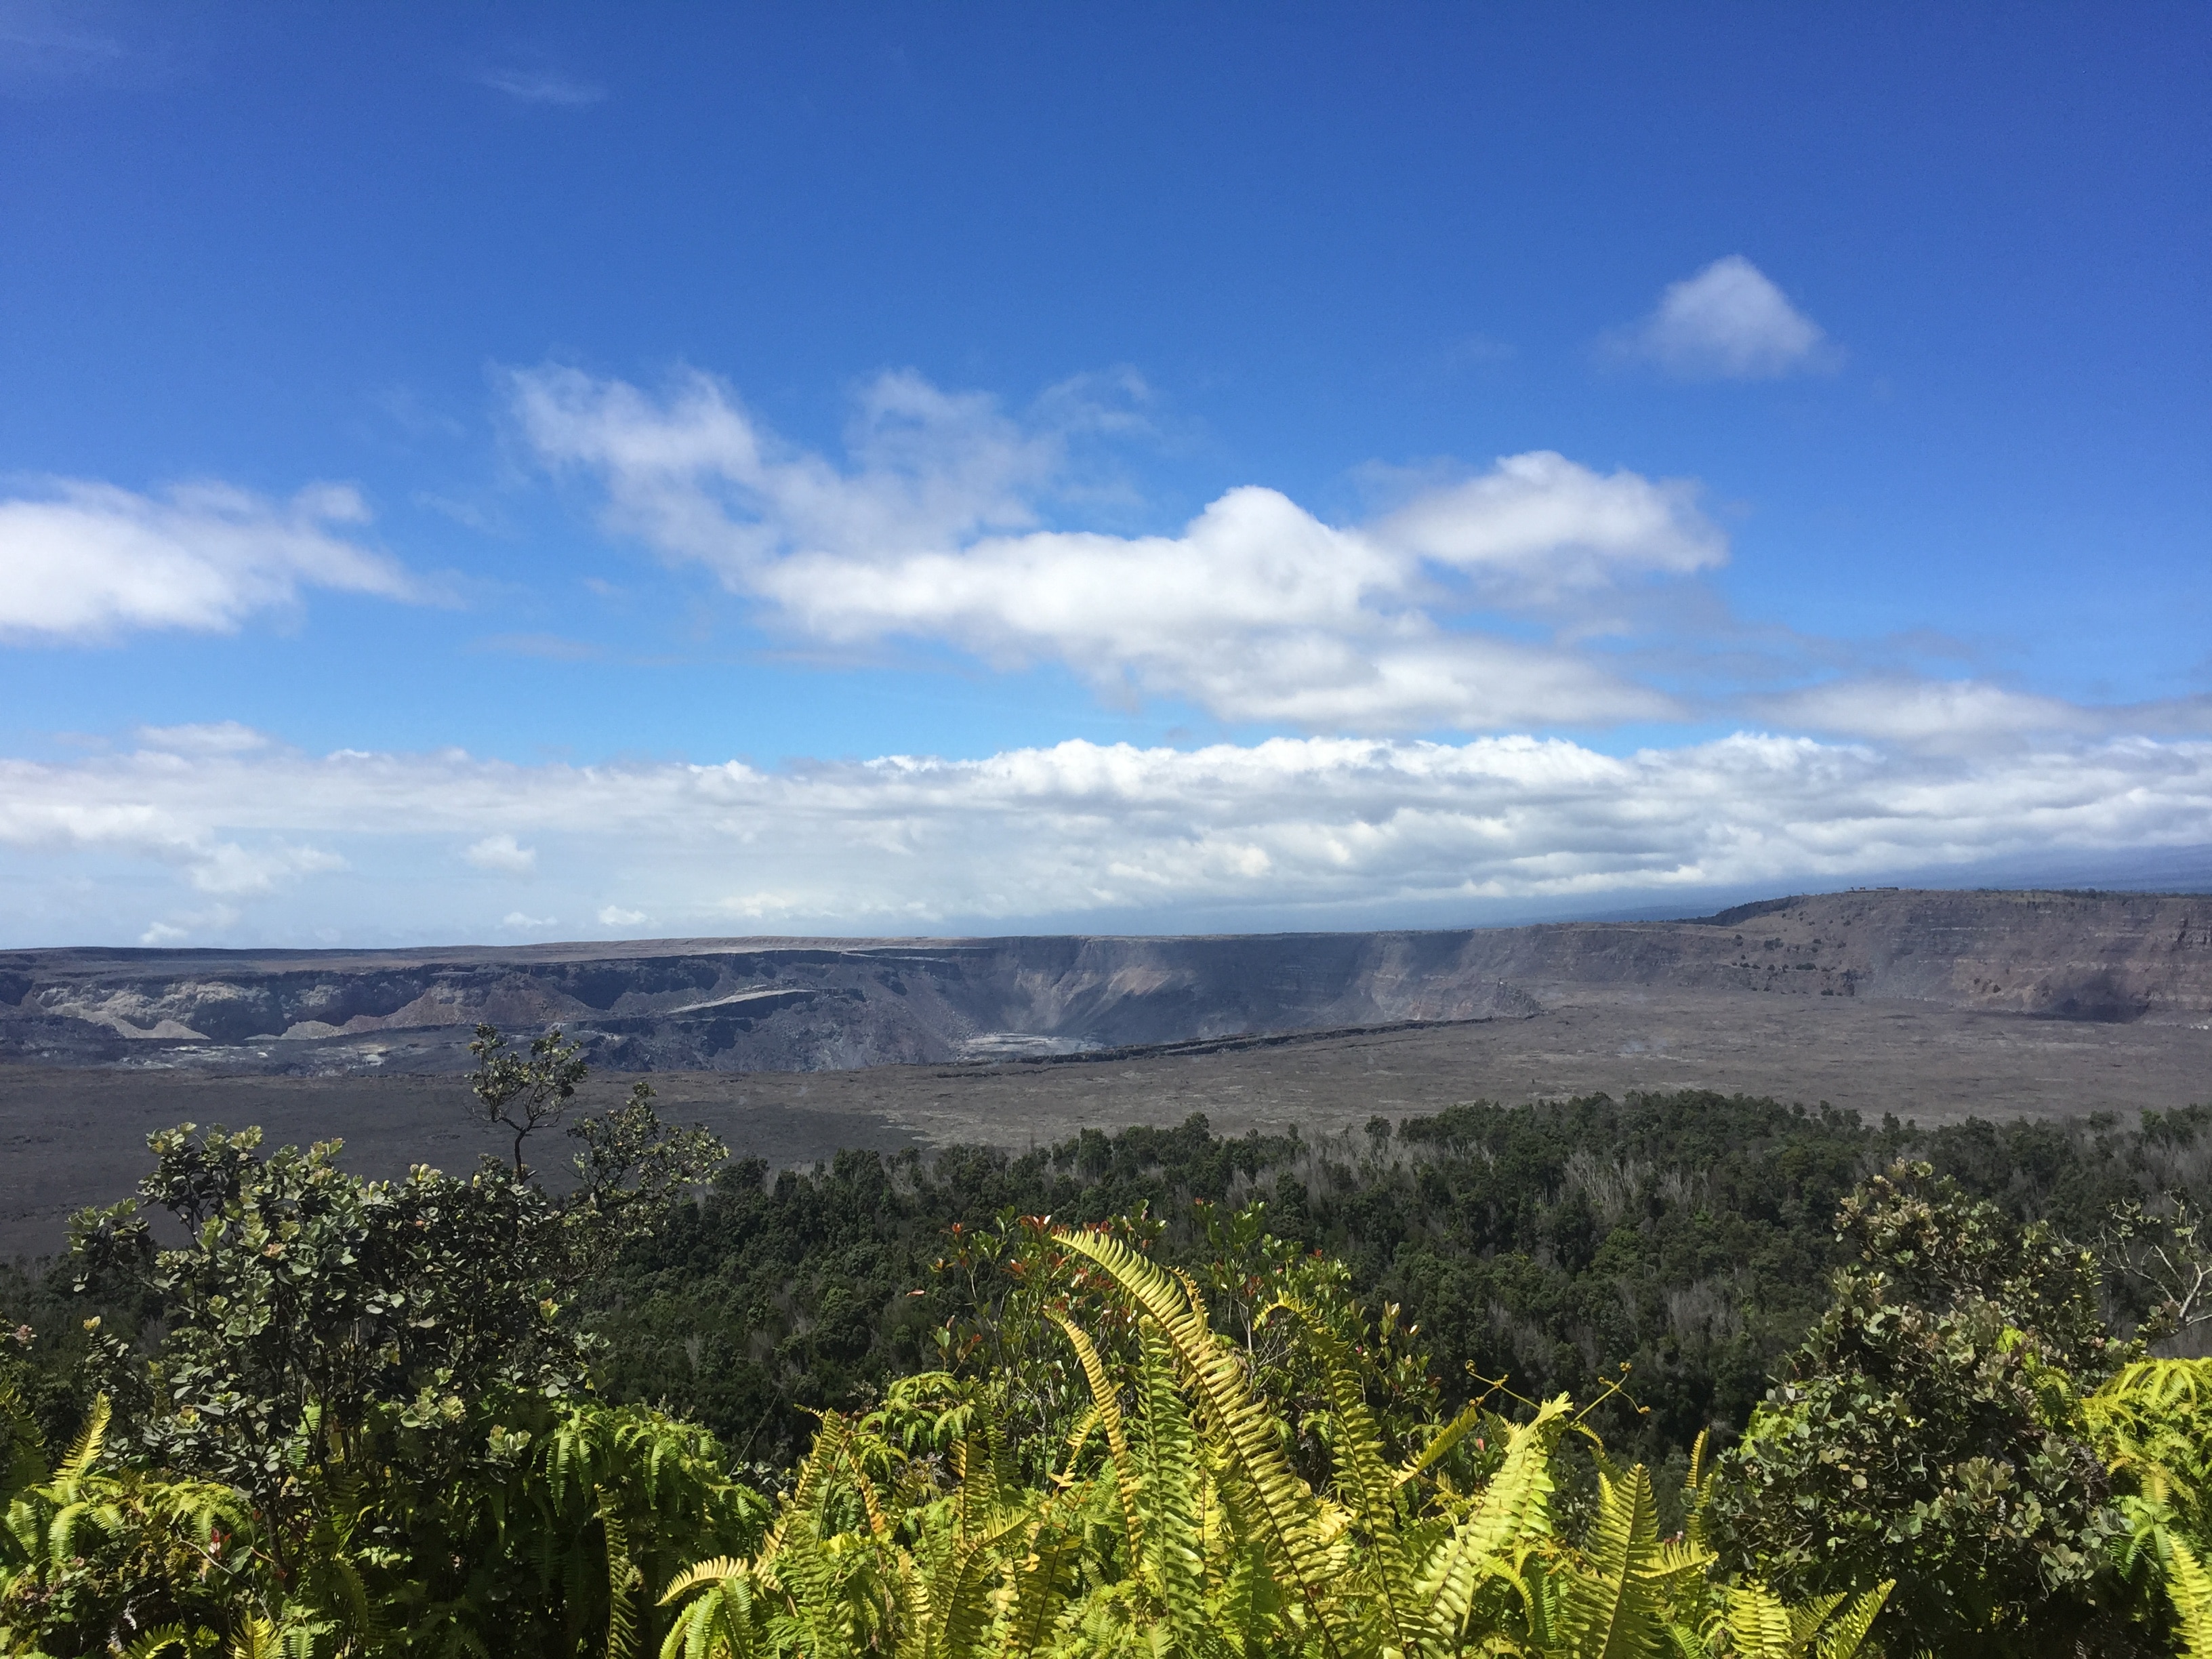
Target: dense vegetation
column 1890, row 1390
column 1690, row 1236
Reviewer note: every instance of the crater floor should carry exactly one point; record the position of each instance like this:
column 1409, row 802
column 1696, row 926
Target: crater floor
column 76, row 1136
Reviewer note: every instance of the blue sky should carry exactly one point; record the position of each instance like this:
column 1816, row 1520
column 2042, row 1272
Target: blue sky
column 511, row 473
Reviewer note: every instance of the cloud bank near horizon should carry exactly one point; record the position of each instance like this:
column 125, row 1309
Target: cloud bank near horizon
column 196, row 835
column 1506, row 605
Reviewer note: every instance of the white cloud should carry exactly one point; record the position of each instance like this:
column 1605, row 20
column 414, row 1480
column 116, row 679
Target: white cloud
column 1972, row 716
column 237, row 872
column 1946, row 713
column 218, row 738
column 1537, row 524
column 696, row 476
column 1256, row 611
column 543, row 87
column 1728, row 322
column 86, row 560
column 503, row 852
column 211, row 920
column 1327, row 829
column 613, row 915
column 190, row 842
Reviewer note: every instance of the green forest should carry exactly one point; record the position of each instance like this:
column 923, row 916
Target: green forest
column 1679, row 1374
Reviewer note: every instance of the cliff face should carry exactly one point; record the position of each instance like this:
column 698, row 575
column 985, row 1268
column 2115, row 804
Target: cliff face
column 801, row 1005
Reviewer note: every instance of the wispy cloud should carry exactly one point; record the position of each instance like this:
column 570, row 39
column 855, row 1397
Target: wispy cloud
column 87, row 561
column 1728, row 322
column 215, row 738
column 1256, row 611
column 548, row 648
column 543, row 87
column 52, row 41
column 1330, row 829
column 1966, row 715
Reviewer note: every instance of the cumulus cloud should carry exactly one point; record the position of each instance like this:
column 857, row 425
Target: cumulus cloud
column 515, row 921
column 1728, row 322
column 1254, row 611
column 613, row 915
column 503, row 852
column 87, row 561
column 1538, row 525
column 1328, row 828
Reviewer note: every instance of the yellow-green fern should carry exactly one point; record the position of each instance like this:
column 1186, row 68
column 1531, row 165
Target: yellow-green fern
column 2189, row 1586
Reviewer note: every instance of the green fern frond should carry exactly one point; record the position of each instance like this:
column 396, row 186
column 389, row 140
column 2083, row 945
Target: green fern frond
column 1442, row 1442
column 1106, row 1401
column 960, row 1601
column 805, row 1561
column 1675, row 1559
column 1364, row 1479
column 1843, row 1639
column 159, row 1640
column 1243, row 1429
column 1512, row 1514
column 84, row 1451
column 977, row 1495
column 1039, row 1585
column 2189, row 1586
column 715, row 1571
column 1613, row 1606
column 339, row 1585
column 1172, row 1552
column 1806, row 1617
column 721, row 1625
column 2160, row 1386
column 26, row 1460
column 62, row 1528
column 623, row 1581
column 1759, row 1625
column 815, row 1474
column 1698, row 1492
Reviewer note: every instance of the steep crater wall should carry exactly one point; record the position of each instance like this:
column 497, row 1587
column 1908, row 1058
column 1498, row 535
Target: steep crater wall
column 799, row 1005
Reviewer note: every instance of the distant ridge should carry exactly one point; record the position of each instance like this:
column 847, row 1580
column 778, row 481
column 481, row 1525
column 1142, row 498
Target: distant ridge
column 790, row 1004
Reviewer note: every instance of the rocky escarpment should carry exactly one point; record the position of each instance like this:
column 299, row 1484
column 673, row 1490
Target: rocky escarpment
column 798, row 1005
column 724, row 1005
